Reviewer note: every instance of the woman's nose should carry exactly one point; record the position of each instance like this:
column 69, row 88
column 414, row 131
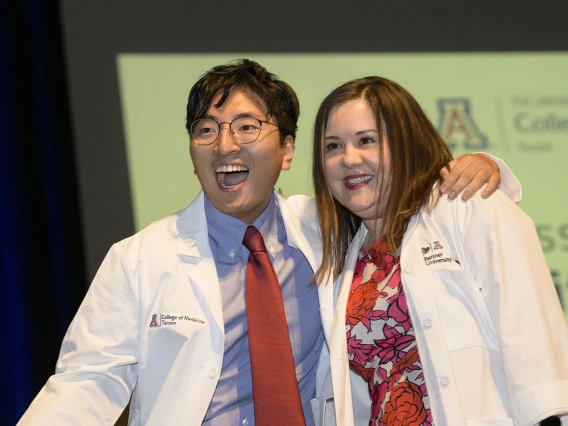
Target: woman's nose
column 351, row 157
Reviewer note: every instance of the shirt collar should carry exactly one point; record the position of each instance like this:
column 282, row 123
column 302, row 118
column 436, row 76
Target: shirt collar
column 228, row 232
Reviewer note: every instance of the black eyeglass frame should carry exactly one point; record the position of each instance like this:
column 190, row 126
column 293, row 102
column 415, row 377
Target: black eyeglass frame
column 231, row 132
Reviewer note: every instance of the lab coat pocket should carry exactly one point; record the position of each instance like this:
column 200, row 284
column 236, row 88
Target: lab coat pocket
column 171, row 330
column 462, row 310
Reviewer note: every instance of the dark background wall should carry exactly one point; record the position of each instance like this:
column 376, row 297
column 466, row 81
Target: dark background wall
column 64, row 190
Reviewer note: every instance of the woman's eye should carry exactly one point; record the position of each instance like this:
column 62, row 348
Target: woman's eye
column 331, row 146
column 365, row 141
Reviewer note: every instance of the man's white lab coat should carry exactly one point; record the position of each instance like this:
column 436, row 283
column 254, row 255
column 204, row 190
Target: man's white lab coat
column 152, row 324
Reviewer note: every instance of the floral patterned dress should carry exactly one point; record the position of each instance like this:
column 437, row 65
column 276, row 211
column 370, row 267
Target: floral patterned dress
column 381, row 342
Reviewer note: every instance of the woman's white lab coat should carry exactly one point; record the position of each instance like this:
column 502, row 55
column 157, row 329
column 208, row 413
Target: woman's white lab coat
column 490, row 331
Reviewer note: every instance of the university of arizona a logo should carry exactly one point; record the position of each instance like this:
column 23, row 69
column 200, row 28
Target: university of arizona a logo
column 457, row 126
column 431, row 246
column 154, row 322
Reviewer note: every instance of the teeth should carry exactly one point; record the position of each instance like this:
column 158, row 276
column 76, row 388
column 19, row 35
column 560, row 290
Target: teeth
column 231, row 168
column 358, row 180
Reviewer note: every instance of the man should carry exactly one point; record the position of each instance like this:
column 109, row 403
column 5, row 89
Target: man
column 166, row 318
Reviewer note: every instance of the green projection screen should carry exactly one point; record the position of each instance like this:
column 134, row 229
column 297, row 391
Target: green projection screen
column 513, row 105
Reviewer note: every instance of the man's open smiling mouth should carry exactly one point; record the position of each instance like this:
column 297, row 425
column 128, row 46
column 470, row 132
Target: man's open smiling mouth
column 231, row 176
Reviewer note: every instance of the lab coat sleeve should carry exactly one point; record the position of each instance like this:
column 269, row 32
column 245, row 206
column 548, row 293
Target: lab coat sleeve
column 510, row 185
column 97, row 366
column 503, row 251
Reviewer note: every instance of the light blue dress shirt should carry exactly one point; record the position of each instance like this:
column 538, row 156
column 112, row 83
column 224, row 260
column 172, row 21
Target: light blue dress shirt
column 232, row 403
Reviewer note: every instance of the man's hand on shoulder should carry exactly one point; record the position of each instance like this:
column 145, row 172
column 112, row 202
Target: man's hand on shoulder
column 471, row 171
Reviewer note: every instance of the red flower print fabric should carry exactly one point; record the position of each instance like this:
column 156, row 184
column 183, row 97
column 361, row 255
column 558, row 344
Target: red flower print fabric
column 405, row 405
column 381, row 342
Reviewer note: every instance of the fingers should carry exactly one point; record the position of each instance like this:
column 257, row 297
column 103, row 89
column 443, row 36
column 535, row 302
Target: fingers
column 451, row 184
column 445, row 171
column 471, row 171
column 492, row 185
column 472, row 186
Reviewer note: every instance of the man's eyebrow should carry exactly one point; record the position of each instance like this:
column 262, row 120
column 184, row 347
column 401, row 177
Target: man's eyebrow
column 241, row 114
column 246, row 114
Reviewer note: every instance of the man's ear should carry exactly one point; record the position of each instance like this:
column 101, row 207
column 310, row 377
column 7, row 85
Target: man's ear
column 288, row 152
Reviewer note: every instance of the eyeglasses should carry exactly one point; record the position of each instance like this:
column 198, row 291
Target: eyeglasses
column 244, row 129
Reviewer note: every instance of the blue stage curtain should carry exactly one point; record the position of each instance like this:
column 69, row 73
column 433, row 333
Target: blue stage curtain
column 41, row 262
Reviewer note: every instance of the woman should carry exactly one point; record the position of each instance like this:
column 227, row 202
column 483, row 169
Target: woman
column 446, row 310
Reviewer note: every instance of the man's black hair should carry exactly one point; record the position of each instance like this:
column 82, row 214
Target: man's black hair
column 280, row 99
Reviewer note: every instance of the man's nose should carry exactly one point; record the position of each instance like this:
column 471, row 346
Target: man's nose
column 225, row 143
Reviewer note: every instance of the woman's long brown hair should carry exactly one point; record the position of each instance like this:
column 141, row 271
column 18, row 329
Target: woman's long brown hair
column 417, row 153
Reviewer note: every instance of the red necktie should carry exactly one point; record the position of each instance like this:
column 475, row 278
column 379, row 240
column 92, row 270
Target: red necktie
column 275, row 387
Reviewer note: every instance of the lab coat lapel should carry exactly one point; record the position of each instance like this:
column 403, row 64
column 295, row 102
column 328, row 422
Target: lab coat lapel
column 303, row 234
column 339, row 361
column 190, row 228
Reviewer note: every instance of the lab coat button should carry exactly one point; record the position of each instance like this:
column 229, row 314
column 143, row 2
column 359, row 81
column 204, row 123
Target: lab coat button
column 445, row 382
column 408, row 269
column 190, row 242
column 212, row 373
column 427, row 324
column 245, row 422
